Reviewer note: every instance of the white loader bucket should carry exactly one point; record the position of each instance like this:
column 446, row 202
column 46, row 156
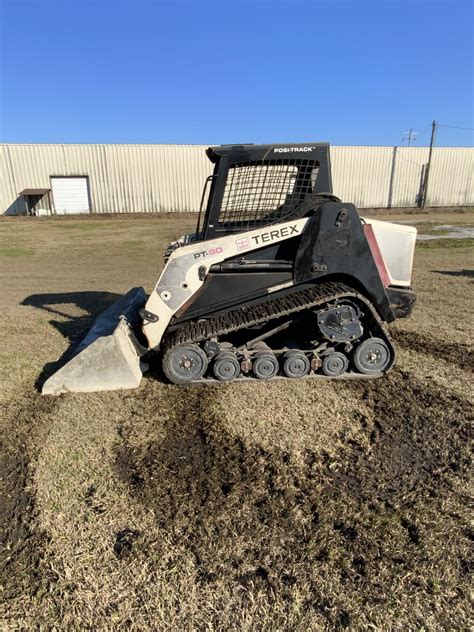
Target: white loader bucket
column 106, row 360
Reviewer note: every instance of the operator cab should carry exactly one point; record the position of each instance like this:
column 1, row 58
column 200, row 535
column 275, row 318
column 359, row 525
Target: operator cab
column 257, row 185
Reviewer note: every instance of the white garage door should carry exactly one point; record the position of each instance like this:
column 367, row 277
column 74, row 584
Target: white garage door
column 70, row 195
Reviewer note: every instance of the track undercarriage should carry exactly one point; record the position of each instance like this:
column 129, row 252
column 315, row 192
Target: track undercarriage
column 322, row 330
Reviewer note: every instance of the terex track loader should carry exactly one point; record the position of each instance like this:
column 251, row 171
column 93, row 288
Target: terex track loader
column 280, row 278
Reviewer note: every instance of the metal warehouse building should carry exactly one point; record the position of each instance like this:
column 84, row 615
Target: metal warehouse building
column 43, row 179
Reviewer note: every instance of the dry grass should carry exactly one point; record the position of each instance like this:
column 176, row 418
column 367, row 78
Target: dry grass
column 307, row 505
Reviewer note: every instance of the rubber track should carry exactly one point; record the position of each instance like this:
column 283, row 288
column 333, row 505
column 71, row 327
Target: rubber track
column 249, row 316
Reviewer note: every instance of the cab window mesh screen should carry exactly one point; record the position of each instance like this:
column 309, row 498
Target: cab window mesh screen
column 260, row 193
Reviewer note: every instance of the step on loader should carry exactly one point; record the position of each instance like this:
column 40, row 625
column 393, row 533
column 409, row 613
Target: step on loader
column 280, row 280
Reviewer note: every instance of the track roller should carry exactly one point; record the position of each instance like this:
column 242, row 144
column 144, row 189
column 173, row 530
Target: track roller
column 226, row 366
column 295, row 364
column 372, row 356
column 265, row 365
column 335, row 364
column 184, row 364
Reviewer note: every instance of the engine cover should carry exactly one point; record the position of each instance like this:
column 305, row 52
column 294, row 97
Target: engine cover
column 340, row 323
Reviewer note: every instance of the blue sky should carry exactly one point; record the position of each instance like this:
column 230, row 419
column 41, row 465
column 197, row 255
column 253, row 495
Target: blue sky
column 187, row 71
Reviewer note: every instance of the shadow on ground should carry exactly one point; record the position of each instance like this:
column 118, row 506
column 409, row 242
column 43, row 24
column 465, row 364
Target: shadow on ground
column 456, row 273
column 72, row 327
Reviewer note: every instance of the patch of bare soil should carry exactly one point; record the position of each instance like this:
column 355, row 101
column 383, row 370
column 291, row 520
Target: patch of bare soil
column 421, row 434
column 21, row 542
column 328, row 532
column 456, row 353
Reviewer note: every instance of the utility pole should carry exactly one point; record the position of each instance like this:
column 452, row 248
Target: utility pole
column 409, row 137
column 434, row 126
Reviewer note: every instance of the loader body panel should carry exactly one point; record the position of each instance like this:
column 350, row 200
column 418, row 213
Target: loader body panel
column 188, row 266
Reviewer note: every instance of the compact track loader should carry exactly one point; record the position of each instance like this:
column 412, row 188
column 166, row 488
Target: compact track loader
column 280, row 279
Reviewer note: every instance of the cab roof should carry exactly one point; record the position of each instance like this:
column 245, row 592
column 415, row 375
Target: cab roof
column 277, row 151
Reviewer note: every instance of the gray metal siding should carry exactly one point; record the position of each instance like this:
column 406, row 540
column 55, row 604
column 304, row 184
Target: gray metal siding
column 451, row 177
column 407, row 174
column 360, row 174
column 160, row 178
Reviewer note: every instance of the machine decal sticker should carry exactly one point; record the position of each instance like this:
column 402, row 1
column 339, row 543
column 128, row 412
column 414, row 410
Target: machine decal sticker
column 286, row 150
column 208, row 253
column 278, row 233
column 242, row 244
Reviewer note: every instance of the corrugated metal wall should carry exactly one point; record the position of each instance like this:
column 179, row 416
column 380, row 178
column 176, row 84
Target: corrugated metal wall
column 122, row 178
column 407, row 174
column 361, row 174
column 157, row 178
column 452, row 176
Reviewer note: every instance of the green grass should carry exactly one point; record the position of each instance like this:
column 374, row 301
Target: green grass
column 431, row 228
column 445, row 243
column 15, row 250
column 85, row 225
column 132, row 244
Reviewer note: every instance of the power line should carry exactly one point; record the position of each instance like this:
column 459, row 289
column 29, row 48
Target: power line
column 434, row 127
column 471, row 129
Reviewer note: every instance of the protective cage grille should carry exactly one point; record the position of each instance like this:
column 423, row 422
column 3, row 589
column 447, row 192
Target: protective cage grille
column 264, row 192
